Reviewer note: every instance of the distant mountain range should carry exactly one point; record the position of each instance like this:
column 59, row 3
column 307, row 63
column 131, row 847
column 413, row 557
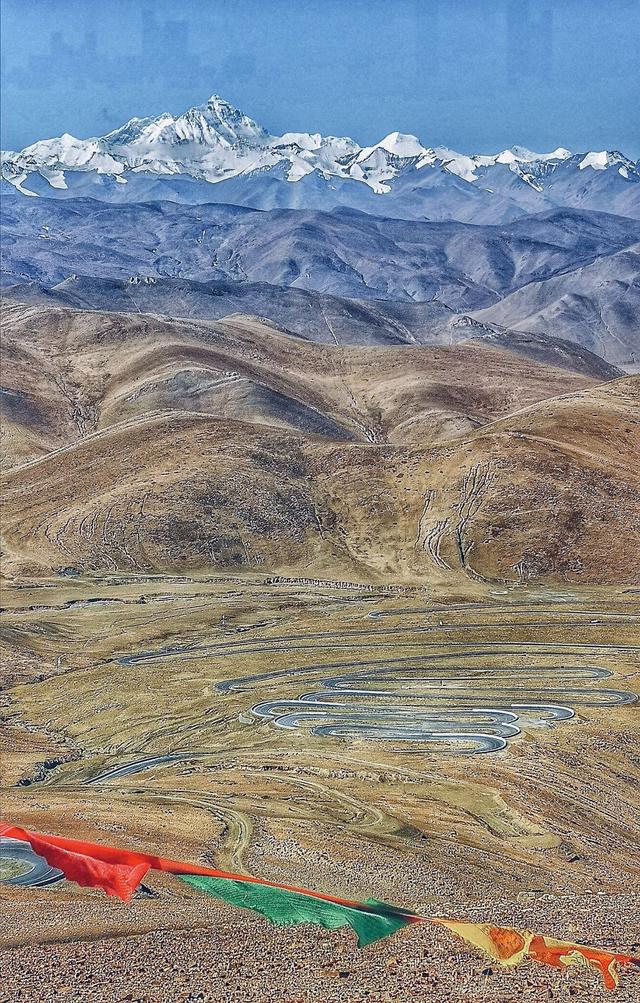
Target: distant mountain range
column 569, row 275
column 214, row 152
column 228, row 349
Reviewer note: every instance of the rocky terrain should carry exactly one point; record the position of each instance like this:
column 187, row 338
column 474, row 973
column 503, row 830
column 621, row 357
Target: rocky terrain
column 223, row 956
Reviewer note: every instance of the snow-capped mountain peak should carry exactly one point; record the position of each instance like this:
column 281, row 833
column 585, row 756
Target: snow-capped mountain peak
column 604, row 159
column 222, row 118
column 524, row 156
column 402, row 145
column 214, row 123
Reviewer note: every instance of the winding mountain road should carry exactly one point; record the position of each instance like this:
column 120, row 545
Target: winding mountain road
column 37, row 873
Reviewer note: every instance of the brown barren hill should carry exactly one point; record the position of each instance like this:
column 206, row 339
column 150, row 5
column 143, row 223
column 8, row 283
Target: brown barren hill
column 552, row 491
column 176, row 445
column 68, row 373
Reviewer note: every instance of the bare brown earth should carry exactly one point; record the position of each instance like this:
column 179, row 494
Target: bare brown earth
column 70, row 373
column 188, row 505
column 173, row 445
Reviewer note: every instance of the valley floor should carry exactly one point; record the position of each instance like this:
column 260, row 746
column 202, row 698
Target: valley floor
column 134, row 715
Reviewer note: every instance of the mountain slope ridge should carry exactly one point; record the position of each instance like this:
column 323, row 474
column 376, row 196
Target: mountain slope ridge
column 310, row 316
column 342, row 253
column 522, row 500
column 86, row 371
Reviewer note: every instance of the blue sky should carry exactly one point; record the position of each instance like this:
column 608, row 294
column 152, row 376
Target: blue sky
column 476, row 75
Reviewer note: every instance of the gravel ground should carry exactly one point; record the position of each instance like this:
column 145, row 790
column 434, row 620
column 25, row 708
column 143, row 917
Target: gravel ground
column 102, row 952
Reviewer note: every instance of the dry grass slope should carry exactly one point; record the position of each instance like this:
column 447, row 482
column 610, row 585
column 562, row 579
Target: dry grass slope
column 141, row 443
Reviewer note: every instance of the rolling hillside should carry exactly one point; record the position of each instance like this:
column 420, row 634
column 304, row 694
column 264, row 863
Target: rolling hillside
column 142, row 443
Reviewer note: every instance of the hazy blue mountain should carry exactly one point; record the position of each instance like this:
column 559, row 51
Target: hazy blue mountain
column 345, row 253
column 596, row 305
column 307, row 314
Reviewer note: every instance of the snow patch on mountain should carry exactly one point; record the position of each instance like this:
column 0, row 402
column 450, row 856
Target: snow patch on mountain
column 402, row 145
column 608, row 158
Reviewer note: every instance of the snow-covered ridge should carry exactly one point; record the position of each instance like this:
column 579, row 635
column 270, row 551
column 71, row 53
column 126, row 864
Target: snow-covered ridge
column 215, row 142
